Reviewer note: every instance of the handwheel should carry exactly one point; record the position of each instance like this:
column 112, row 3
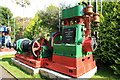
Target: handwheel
column 36, row 46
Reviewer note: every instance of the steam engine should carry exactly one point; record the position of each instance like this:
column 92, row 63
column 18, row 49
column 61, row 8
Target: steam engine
column 69, row 52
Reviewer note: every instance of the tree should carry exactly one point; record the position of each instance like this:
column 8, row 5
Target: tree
column 22, row 3
column 5, row 15
column 49, row 17
column 43, row 24
column 21, row 23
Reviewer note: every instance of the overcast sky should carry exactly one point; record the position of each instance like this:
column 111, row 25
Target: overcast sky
column 35, row 5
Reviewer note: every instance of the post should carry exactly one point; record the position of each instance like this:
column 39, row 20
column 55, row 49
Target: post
column 101, row 6
column 96, row 6
column 59, row 19
column 8, row 20
column 14, row 29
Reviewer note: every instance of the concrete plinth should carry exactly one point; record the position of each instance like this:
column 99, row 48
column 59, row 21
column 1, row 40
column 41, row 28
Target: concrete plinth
column 7, row 53
column 52, row 74
column 25, row 67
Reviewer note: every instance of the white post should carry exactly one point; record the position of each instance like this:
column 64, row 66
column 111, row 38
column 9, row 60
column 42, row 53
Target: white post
column 8, row 20
column 96, row 6
column 101, row 6
column 59, row 19
column 14, row 28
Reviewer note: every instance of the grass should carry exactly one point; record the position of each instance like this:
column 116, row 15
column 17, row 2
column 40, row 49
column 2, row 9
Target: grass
column 103, row 71
column 18, row 72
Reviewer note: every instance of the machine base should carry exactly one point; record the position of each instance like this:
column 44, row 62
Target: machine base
column 50, row 73
column 82, row 65
column 29, row 61
column 74, row 67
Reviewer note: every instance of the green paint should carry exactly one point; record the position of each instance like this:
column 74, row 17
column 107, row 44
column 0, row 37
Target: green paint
column 73, row 11
column 70, row 50
column 44, row 53
column 18, row 47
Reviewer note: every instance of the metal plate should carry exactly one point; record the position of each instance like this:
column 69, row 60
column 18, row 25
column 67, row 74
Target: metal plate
column 69, row 35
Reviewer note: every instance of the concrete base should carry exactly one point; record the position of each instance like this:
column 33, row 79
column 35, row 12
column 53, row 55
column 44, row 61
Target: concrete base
column 7, row 53
column 53, row 74
column 25, row 67
column 50, row 73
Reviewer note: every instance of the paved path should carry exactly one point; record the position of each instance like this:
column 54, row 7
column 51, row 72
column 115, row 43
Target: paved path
column 4, row 73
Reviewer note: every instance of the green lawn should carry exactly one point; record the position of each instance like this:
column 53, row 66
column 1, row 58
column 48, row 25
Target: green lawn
column 103, row 72
column 19, row 73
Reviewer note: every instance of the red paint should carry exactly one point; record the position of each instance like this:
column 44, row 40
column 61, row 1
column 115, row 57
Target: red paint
column 89, row 10
column 79, row 20
column 87, row 21
column 29, row 61
column 66, row 22
column 74, row 67
column 88, row 44
column 96, row 18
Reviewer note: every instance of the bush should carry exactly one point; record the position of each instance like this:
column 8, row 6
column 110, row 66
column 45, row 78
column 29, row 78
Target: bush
column 108, row 50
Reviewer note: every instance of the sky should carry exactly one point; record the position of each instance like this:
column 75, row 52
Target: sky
column 35, row 5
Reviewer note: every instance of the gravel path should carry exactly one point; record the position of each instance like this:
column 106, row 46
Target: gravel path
column 4, row 73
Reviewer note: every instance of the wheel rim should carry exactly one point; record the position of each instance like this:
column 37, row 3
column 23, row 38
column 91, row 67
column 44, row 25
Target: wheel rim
column 36, row 46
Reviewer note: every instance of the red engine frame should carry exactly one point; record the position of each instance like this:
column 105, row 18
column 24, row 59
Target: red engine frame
column 74, row 67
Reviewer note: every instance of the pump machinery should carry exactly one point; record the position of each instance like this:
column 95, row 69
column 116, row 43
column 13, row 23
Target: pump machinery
column 68, row 52
column 4, row 35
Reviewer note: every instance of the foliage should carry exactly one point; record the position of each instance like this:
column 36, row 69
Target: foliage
column 43, row 24
column 109, row 48
column 22, row 3
column 49, row 17
column 5, row 15
column 21, row 24
column 6, row 18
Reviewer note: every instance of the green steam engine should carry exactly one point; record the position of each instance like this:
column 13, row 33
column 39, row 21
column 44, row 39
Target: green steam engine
column 69, row 52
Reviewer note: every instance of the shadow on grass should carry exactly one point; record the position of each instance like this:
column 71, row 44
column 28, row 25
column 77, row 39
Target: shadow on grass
column 104, row 71
column 7, row 60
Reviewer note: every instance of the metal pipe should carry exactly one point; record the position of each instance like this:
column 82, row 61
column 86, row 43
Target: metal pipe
column 101, row 6
column 96, row 6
